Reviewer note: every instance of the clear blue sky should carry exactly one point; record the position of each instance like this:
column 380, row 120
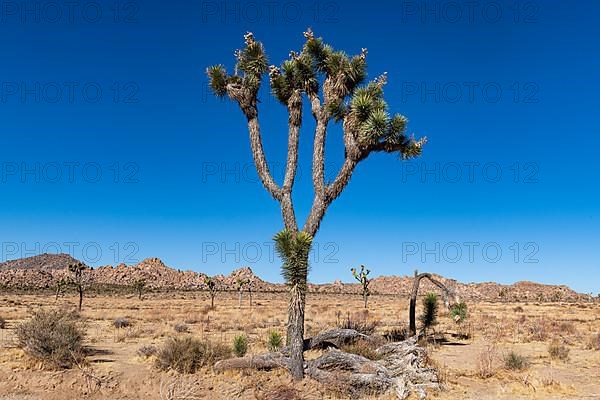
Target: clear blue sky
column 120, row 91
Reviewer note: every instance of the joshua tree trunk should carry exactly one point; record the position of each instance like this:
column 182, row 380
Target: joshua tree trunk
column 365, row 298
column 58, row 288
column 212, row 300
column 448, row 293
column 240, row 299
column 295, row 331
column 80, row 290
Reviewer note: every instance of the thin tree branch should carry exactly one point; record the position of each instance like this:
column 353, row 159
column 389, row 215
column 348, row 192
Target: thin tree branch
column 260, row 161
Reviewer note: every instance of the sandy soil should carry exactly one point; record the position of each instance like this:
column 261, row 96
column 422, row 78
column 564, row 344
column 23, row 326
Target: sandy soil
column 115, row 371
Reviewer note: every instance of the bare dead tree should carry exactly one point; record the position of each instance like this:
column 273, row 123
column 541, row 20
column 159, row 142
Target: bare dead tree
column 447, row 292
column 333, row 84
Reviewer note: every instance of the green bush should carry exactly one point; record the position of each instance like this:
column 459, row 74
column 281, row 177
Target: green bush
column 52, row 337
column 430, row 309
column 240, row 345
column 274, row 341
column 515, row 362
column 187, row 354
column 459, row 312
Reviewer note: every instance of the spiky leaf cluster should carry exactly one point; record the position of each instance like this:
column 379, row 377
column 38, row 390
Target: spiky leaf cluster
column 243, row 85
column 430, row 309
column 342, row 72
column 293, row 248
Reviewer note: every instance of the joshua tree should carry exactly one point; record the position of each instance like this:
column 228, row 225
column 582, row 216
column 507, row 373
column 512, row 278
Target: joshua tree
column 81, row 279
column 239, row 284
column 334, row 85
column 139, row 285
column 212, row 287
column 362, row 277
column 60, row 285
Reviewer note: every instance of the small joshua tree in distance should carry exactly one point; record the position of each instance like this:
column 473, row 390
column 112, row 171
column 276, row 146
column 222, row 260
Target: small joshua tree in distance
column 81, row 279
column 139, row 285
column 60, row 285
column 362, row 277
column 430, row 309
column 211, row 285
column 239, row 284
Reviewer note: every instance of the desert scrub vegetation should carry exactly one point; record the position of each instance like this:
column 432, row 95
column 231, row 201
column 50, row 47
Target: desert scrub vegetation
column 274, row 340
column 121, row 322
column 515, row 362
column 187, row 354
column 181, row 328
column 146, row 350
column 594, row 342
column 52, row 337
column 363, row 348
column 240, row 345
column 486, row 362
column 558, row 351
column 2, row 323
column 360, row 322
column 430, row 309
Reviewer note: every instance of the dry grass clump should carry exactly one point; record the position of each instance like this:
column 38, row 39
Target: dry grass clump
column 558, row 351
column 181, row 328
column 360, row 322
column 52, row 337
column 363, row 348
column 538, row 331
column 515, row 362
column 188, row 354
column 147, row 350
column 2, row 323
column 486, row 362
column 594, row 342
column 518, row 309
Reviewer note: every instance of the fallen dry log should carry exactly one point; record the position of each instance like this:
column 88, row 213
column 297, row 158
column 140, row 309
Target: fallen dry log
column 400, row 367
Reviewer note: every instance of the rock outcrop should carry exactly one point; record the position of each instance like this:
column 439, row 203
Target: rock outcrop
column 44, row 270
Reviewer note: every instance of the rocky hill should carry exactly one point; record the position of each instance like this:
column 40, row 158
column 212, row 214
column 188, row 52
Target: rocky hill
column 44, row 270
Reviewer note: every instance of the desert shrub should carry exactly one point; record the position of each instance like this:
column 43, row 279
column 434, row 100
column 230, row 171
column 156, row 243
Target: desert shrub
column 240, row 345
column 359, row 322
column 396, row 334
column 558, row 351
column 594, row 342
column 430, row 309
column 121, row 322
column 51, row 337
column 2, row 323
column 274, row 341
column 362, row 348
column 146, row 350
column 565, row 328
column 518, row 309
column 181, row 328
column 459, row 312
column 485, row 363
column 515, row 362
column 188, row 354
column 538, row 331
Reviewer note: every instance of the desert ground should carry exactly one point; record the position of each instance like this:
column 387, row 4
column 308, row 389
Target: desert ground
column 470, row 358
